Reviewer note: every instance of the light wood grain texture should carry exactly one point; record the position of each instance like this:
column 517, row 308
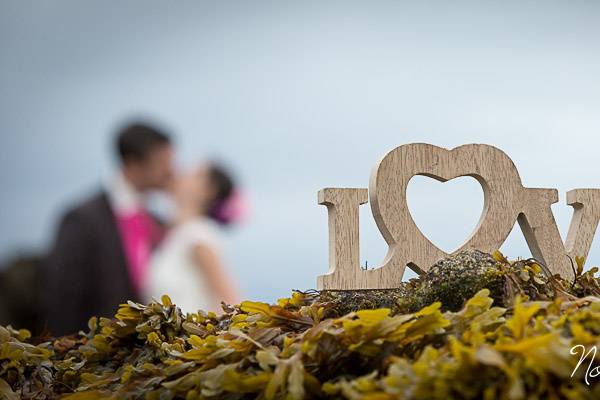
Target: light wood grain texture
column 506, row 201
column 586, row 215
column 344, row 257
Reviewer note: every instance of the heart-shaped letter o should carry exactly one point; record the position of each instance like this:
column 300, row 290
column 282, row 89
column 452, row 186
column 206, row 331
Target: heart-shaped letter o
column 493, row 169
column 505, row 202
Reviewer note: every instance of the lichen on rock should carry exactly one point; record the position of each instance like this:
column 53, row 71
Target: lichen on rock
column 455, row 279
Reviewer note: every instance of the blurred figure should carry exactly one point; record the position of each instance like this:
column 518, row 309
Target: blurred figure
column 188, row 265
column 20, row 294
column 102, row 247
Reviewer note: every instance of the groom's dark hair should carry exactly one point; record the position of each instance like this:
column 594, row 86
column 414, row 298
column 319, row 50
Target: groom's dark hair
column 136, row 140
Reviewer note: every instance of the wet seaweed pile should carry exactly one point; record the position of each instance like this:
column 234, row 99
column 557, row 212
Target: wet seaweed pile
column 475, row 326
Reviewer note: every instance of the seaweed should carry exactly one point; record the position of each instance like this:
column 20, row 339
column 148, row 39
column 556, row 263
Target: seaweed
column 475, row 326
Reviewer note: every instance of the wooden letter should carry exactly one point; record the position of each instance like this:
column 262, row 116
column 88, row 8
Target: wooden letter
column 344, row 257
column 586, row 215
column 407, row 245
column 540, row 231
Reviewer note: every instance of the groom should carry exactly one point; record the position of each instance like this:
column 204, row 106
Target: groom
column 100, row 254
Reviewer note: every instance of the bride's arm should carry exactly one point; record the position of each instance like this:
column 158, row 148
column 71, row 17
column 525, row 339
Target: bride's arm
column 207, row 259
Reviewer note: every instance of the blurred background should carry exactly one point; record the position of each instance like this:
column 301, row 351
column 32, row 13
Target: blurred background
column 296, row 96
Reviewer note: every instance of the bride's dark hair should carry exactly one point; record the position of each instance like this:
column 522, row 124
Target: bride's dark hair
column 224, row 186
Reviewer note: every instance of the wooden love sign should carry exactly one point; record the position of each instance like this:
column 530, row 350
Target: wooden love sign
column 505, row 201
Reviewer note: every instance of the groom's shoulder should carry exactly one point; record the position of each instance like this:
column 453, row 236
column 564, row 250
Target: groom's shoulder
column 92, row 207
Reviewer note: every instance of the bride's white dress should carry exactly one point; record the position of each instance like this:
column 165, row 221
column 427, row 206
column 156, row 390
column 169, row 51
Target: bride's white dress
column 173, row 271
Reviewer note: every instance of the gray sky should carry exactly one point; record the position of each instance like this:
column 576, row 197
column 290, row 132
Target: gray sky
column 296, row 97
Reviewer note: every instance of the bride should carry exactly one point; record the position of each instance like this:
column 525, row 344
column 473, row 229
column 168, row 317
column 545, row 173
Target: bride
column 188, row 265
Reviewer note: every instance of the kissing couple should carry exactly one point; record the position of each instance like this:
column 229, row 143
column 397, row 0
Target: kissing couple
column 110, row 248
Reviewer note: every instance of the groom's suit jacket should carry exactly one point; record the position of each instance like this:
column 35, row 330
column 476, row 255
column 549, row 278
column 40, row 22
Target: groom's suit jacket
column 86, row 269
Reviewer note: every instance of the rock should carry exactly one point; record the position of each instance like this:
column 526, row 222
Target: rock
column 456, row 279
